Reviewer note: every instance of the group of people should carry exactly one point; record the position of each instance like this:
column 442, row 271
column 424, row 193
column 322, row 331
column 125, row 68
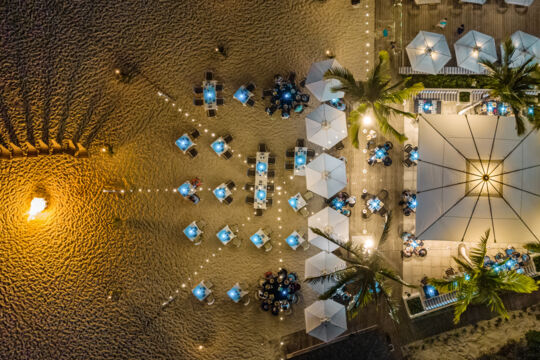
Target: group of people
column 277, row 292
column 412, row 246
column 285, row 96
column 509, row 260
column 340, row 201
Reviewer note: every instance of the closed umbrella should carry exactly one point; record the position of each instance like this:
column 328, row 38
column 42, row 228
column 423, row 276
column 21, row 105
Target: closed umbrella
column 325, row 319
column 519, row 2
column 428, row 52
column 527, row 46
column 330, row 222
column 326, row 126
column 321, row 264
column 319, row 87
column 472, row 47
column 326, row 175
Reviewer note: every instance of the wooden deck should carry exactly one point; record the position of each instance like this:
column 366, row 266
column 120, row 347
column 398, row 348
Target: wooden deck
column 494, row 18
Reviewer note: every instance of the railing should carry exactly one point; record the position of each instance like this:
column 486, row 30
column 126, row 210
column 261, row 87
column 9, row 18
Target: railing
column 440, row 301
column 448, row 70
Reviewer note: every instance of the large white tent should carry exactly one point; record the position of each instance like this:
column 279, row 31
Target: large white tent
column 321, row 264
column 428, row 52
column 330, row 222
column 519, row 2
column 472, row 47
column 325, row 319
column 453, row 198
column 527, row 46
column 319, row 87
column 326, row 175
column 326, row 126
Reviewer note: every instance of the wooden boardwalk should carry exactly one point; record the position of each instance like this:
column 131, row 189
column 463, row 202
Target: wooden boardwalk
column 494, row 18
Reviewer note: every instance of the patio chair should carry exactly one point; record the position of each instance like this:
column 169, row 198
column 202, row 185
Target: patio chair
column 267, row 246
column 210, row 299
column 289, row 166
column 339, row 146
column 192, row 152
column 194, row 134
column 270, row 110
column 250, row 87
column 198, row 102
column 262, row 147
column 251, row 172
column 387, row 161
column 208, row 75
column 220, row 101
column 382, row 195
column 310, row 153
column 300, row 143
column 228, row 138
column 211, row 113
column 304, row 212
column 219, row 87
column 271, row 160
column 228, row 200
column 308, row 195
column 383, row 211
column 251, row 160
column 267, row 231
column 289, row 153
column 197, row 89
column 388, row 145
column 227, row 154
column 250, row 200
column 292, row 77
column 270, row 187
column 258, row 212
column 267, row 92
column 271, row 174
column 408, row 162
column 305, row 98
column 236, row 241
column 407, row 211
column 305, row 245
column 230, row 185
column 302, row 83
column 269, row 202
column 250, row 102
column 370, row 144
column 408, row 148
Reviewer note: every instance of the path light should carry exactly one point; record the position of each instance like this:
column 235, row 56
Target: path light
column 37, row 205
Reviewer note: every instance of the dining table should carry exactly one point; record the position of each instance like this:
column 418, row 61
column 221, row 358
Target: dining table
column 187, row 189
column 261, row 180
column 210, row 94
column 294, row 240
column 379, row 154
column 201, row 291
column 413, row 155
column 297, row 202
column 221, row 192
column 337, row 203
column 192, row 231
column 243, row 95
column 225, row 235
column 184, row 143
column 300, row 161
column 259, row 238
column 374, row 204
column 219, row 146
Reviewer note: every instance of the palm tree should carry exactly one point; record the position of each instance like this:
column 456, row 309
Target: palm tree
column 482, row 285
column 533, row 247
column 366, row 275
column 510, row 85
column 376, row 94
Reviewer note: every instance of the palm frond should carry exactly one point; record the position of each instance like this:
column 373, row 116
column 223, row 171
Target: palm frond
column 519, row 283
column 354, row 129
column 477, row 254
column 384, row 125
column 533, row 247
column 349, row 85
column 386, row 228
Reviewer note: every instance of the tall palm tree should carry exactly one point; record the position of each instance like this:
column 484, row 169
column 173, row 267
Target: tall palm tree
column 533, row 247
column 510, row 85
column 377, row 94
column 482, row 285
column 366, row 275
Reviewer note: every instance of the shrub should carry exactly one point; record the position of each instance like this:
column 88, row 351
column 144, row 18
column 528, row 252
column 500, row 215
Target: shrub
column 464, row 96
column 537, row 263
column 451, row 81
column 415, row 305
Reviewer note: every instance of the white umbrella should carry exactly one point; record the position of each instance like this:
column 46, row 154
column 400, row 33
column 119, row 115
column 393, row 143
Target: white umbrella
column 332, row 223
column 428, row 52
column 326, row 175
column 321, row 264
column 325, row 319
column 519, row 2
column 326, row 126
column 319, row 87
column 526, row 45
column 473, row 47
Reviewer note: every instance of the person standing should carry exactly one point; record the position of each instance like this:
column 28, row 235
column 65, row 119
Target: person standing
column 461, row 29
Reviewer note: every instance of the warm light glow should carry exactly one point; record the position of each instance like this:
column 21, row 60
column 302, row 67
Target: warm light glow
column 368, row 244
column 36, row 206
column 367, row 120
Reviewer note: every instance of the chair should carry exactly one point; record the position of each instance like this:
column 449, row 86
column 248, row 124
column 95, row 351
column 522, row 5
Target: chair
column 250, row 87
column 407, row 211
column 269, row 202
column 250, row 200
column 289, row 166
column 304, row 212
column 300, row 143
column 208, row 75
column 422, row 252
column 270, row 110
column 210, row 299
column 228, row 138
column 250, row 102
column 271, row 160
column 262, row 148
column 383, row 195
column 249, row 187
column 310, row 153
column 267, row 246
column 236, row 241
column 305, row 98
column 339, row 146
column 388, row 145
column 271, row 174
column 408, row 148
column 197, row 90
column 407, row 162
column 251, row 172
column 230, row 185
column 308, row 195
column 270, row 187
column 198, row 102
column 366, row 214
column 228, row 200
column 258, row 212
column 227, row 154
column 194, row 134
column 305, row 245
column 292, row 77
column 383, row 211
column 211, row 113
column 387, row 161
column 219, row 87
column 289, row 153
column 268, row 92
column 267, row 231
column 370, row 144
column 220, row 101
column 192, row 152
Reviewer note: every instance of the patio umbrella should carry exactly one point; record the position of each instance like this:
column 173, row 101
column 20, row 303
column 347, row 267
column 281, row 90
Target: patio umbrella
column 481, row 2
column 527, row 46
column 326, row 126
column 326, row 175
column 428, row 52
column 473, row 47
column 325, row 319
column 332, row 223
column 321, row 264
column 519, row 2
column 319, row 87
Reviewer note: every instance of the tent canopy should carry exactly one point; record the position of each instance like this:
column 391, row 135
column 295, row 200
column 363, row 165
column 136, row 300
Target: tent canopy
column 321, row 264
column 325, row 319
column 326, row 175
column 473, row 47
column 332, row 223
column 319, row 87
column 326, row 126
column 428, row 52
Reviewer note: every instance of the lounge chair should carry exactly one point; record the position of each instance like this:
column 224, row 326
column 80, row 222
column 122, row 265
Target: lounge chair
column 197, row 90
column 263, row 148
column 289, row 153
column 192, row 152
column 250, row 87
column 250, row 200
column 228, row 138
column 220, row 101
column 251, row 172
column 230, row 185
column 271, row 174
column 194, row 134
column 228, row 200
column 250, row 102
column 211, row 113
column 300, row 143
column 289, row 166
column 258, row 212
column 227, row 154
column 270, row 187
column 308, row 195
column 251, row 160
column 310, row 153
column 271, row 160
column 208, row 76
column 219, row 87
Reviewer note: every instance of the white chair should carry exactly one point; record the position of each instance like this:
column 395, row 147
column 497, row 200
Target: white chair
column 267, row 246
column 236, row 241
column 210, row 299
column 304, row 212
column 305, row 245
column 208, row 284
